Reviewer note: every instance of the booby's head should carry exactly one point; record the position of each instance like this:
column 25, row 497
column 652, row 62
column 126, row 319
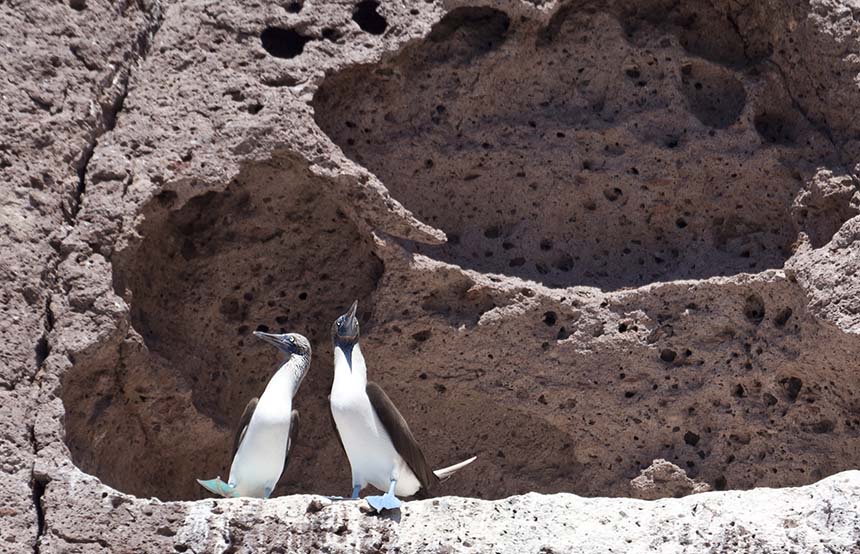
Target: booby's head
column 288, row 343
column 291, row 343
column 344, row 330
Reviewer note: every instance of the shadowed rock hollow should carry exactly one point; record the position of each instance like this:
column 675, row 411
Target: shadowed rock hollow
column 269, row 252
column 599, row 150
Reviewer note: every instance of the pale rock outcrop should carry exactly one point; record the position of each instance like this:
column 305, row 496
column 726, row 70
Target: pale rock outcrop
column 664, row 479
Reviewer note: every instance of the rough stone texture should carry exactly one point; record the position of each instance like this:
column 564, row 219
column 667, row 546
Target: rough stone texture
column 664, row 479
column 817, row 519
column 584, row 151
column 650, row 211
column 829, row 275
column 65, row 70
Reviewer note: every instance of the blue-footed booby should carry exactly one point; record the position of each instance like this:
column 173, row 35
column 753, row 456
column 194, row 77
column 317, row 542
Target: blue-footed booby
column 381, row 449
column 269, row 425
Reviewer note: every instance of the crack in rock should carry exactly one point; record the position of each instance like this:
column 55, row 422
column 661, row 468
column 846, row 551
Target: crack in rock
column 108, row 117
column 106, row 121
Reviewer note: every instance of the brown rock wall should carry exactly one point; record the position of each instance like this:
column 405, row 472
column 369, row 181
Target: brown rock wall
column 583, row 237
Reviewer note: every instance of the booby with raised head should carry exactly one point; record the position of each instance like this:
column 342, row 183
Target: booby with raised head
column 381, row 449
column 269, row 425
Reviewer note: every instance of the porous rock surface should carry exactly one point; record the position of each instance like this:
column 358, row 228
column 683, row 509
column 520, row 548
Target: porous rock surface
column 819, row 518
column 583, row 236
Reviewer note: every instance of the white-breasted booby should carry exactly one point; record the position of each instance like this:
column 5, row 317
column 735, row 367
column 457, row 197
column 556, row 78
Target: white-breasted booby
column 381, row 449
column 269, row 425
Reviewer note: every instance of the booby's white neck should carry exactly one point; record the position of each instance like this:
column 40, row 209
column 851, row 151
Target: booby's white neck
column 349, row 365
column 284, row 384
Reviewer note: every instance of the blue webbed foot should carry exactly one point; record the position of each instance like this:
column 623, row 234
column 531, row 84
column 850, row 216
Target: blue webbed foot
column 219, row 487
column 384, row 502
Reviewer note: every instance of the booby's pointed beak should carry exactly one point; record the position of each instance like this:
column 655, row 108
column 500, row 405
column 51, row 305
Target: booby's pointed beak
column 278, row 341
column 349, row 329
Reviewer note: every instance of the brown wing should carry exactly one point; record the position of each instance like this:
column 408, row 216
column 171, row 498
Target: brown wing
column 243, row 424
column 294, row 433
column 401, row 436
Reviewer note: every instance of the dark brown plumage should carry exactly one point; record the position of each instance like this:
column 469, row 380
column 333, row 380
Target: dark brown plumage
column 294, row 434
column 243, row 424
column 401, row 436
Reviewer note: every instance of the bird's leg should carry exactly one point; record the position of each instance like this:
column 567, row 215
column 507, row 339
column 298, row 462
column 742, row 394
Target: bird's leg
column 356, row 489
column 267, row 492
column 385, row 502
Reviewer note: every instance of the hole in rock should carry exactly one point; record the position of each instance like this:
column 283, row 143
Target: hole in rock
column 775, row 128
column 368, row 19
column 782, row 317
column 331, row 34
column 714, row 95
column 151, row 412
column 283, row 43
column 754, row 308
column 508, row 143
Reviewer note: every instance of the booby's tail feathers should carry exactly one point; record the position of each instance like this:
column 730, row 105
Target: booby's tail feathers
column 447, row 472
column 219, row 487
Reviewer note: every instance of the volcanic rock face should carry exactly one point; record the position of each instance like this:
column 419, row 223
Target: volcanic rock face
column 569, row 173
column 583, row 237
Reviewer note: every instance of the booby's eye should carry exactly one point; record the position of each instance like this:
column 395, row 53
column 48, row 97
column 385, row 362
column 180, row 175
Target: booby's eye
column 292, row 340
